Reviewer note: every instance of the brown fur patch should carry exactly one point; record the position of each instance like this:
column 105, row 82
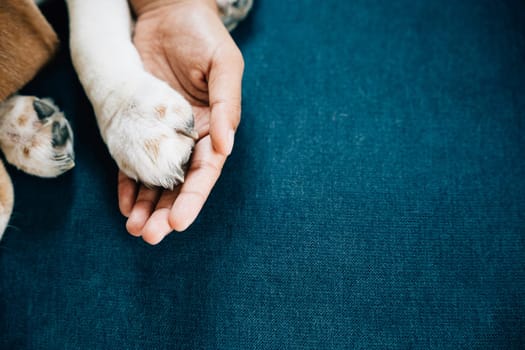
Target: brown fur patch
column 176, row 109
column 26, row 151
column 35, row 143
column 27, row 42
column 15, row 138
column 22, row 120
column 124, row 165
column 153, row 148
column 161, row 111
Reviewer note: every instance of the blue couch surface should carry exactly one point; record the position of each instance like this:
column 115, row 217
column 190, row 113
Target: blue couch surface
column 375, row 197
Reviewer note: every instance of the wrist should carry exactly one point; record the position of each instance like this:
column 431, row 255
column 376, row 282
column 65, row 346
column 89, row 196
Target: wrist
column 141, row 7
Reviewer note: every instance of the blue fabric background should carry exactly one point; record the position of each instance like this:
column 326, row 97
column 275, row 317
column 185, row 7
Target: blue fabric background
column 375, row 198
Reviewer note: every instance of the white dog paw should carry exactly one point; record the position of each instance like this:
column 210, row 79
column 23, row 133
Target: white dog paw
column 233, row 11
column 35, row 136
column 149, row 132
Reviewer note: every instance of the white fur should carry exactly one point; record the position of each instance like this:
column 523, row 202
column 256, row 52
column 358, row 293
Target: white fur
column 126, row 98
column 6, row 199
column 147, row 126
column 27, row 141
column 31, row 144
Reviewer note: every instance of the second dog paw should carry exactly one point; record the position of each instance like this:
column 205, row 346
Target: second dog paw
column 35, row 136
column 233, row 11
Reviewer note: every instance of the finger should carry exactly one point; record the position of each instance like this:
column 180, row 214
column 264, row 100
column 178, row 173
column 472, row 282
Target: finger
column 205, row 168
column 202, row 120
column 167, row 198
column 157, row 226
column 225, row 80
column 142, row 209
column 127, row 193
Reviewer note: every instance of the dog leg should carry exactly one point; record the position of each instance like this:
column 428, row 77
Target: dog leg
column 6, row 198
column 35, row 136
column 147, row 126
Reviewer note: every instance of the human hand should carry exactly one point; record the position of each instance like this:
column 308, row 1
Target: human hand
column 185, row 44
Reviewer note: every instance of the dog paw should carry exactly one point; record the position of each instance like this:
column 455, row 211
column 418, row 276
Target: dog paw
column 233, row 11
column 150, row 134
column 35, row 136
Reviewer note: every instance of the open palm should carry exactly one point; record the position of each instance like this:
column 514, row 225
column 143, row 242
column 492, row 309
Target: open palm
column 186, row 45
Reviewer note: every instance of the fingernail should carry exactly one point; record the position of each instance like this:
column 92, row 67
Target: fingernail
column 231, row 137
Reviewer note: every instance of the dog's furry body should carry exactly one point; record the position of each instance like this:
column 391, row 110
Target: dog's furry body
column 148, row 147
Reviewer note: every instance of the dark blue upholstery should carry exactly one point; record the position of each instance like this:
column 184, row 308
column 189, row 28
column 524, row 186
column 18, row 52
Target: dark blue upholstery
column 375, row 198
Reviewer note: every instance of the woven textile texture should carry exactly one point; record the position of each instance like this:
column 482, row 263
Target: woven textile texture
column 375, row 197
